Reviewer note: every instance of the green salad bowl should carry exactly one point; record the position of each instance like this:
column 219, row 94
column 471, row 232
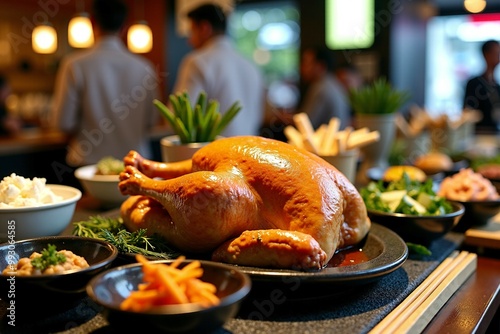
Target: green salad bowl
column 419, row 229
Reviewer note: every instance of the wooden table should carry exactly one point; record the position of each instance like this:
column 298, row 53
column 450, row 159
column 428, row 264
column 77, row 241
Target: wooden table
column 475, row 306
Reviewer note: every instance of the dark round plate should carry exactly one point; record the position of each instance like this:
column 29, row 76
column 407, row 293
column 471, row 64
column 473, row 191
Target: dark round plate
column 385, row 252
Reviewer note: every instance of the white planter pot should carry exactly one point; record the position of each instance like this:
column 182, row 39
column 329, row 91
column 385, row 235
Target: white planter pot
column 377, row 154
column 173, row 150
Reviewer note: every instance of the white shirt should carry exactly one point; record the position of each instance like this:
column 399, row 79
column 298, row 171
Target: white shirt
column 104, row 97
column 226, row 76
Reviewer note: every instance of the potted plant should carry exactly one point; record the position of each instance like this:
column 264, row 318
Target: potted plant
column 375, row 107
column 194, row 125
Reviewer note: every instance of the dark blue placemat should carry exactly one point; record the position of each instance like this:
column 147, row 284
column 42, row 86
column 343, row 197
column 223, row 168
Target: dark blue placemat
column 356, row 309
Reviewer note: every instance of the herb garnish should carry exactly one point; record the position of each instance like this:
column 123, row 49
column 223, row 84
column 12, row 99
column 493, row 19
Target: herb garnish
column 418, row 249
column 113, row 231
column 50, row 257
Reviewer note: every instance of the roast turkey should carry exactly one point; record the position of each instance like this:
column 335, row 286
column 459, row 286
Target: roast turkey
column 247, row 200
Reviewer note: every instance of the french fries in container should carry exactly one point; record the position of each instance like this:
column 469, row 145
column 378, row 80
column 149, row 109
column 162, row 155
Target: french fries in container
column 338, row 147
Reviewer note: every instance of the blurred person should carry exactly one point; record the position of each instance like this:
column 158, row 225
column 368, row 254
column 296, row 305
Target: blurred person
column 325, row 96
column 350, row 78
column 214, row 66
column 104, row 96
column 483, row 92
column 9, row 124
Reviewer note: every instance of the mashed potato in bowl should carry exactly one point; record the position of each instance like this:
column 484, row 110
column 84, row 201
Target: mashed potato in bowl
column 17, row 191
column 31, row 208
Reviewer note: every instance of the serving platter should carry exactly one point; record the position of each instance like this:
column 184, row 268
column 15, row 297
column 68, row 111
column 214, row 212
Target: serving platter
column 383, row 252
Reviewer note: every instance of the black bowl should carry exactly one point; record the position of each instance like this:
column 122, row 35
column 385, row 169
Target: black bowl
column 477, row 213
column 419, row 229
column 496, row 183
column 110, row 288
column 46, row 293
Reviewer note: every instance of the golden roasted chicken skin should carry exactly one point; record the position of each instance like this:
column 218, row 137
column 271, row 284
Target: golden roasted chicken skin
column 248, row 200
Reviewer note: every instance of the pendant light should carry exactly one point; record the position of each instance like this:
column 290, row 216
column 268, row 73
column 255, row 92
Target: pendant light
column 80, row 32
column 474, row 6
column 44, row 39
column 139, row 35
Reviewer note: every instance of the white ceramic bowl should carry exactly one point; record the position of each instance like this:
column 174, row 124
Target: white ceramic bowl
column 102, row 187
column 39, row 221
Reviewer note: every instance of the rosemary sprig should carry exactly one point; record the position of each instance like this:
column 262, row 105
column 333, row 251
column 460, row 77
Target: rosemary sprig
column 113, row 231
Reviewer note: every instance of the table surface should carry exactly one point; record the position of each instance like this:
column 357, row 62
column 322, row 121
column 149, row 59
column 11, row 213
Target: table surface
column 471, row 309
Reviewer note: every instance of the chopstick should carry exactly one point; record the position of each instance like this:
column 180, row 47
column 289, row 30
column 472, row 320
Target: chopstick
column 415, row 312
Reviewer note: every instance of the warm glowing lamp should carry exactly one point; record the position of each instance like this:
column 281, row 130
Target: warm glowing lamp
column 475, row 6
column 140, row 38
column 80, row 33
column 44, row 39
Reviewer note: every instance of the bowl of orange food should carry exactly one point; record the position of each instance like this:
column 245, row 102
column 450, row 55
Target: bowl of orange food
column 476, row 193
column 176, row 296
column 48, row 273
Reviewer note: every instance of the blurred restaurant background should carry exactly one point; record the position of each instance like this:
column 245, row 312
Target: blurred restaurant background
column 428, row 47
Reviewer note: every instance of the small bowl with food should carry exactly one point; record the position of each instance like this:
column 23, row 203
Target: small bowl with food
column 177, row 296
column 49, row 272
column 490, row 172
column 439, row 165
column 101, row 181
column 488, row 167
column 476, row 193
column 30, row 208
column 411, row 208
column 395, row 173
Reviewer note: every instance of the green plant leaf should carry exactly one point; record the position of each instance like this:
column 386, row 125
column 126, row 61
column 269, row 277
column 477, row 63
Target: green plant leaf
column 182, row 132
column 202, row 102
column 212, row 126
column 226, row 119
column 169, row 115
column 175, row 101
column 201, row 122
column 212, row 109
column 377, row 98
column 188, row 119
